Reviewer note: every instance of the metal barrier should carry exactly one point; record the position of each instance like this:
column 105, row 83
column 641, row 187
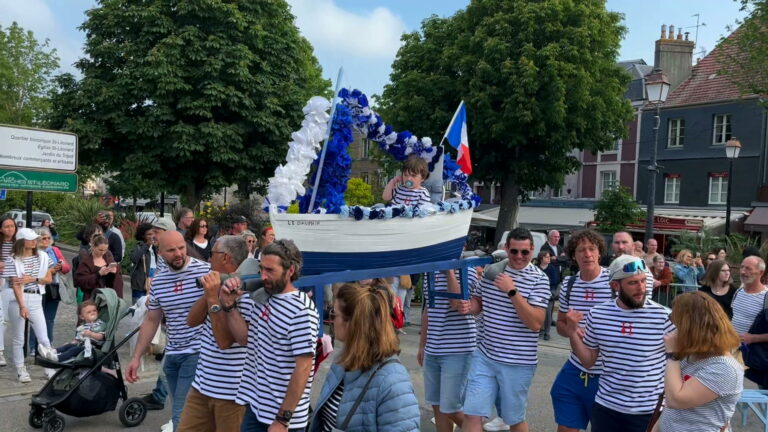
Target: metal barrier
column 665, row 298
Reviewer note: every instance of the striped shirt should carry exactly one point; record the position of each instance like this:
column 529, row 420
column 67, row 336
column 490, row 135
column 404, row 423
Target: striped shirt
column 403, row 195
column 281, row 329
column 584, row 296
column 5, row 251
column 449, row 332
column 725, row 377
column 632, row 347
column 505, row 338
column 219, row 370
column 745, row 307
column 31, row 267
column 330, row 410
column 174, row 292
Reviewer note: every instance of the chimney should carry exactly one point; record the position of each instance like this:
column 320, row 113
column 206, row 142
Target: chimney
column 673, row 56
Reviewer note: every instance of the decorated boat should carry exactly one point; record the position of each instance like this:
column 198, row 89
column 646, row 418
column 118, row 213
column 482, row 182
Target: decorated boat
column 336, row 237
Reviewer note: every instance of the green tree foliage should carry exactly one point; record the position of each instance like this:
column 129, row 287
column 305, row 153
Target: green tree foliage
column 744, row 54
column 41, row 201
column 539, row 80
column 192, row 95
column 616, row 209
column 359, row 193
column 26, row 66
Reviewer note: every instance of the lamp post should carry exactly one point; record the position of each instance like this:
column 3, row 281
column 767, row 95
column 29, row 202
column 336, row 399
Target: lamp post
column 732, row 149
column 656, row 89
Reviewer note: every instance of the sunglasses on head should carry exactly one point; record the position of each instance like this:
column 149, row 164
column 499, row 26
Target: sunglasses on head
column 632, row 267
column 523, row 252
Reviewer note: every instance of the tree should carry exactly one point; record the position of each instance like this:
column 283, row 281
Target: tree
column 358, row 193
column 616, row 209
column 744, row 53
column 193, row 95
column 539, row 79
column 26, row 66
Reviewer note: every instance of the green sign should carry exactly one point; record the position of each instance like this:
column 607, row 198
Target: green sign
column 38, row 181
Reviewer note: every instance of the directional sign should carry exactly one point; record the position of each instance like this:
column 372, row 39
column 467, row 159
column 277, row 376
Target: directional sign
column 3, row 194
column 38, row 181
column 37, row 149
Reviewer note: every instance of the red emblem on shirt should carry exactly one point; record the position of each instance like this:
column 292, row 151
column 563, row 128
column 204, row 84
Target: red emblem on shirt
column 265, row 313
column 589, row 294
column 626, row 329
column 178, row 287
column 686, row 377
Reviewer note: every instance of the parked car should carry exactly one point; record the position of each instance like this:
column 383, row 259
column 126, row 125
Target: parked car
column 20, row 217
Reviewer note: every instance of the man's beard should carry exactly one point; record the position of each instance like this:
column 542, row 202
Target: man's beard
column 629, row 301
column 174, row 267
column 276, row 286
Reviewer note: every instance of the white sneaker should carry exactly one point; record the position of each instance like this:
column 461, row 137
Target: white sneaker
column 47, row 353
column 50, row 372
column 3, row 362
column 496, row 424
column 168, row 427
column 23, row 375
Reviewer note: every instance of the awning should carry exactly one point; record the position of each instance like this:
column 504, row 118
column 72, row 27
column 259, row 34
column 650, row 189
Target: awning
column 540, row 218
column 758, row 220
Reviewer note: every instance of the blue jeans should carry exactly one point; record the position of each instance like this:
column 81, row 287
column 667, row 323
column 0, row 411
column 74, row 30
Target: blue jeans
column 252, row 424
column 180, row 372
column 50, row 307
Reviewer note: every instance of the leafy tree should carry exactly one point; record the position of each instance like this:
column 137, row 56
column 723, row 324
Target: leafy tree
column 744, row 53
column 191, row 95
column 539, row 80
column 616, row 209
column 26, row 66
column 358, row 193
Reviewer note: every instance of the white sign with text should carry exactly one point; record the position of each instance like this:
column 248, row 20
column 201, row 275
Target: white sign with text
column 37, row 149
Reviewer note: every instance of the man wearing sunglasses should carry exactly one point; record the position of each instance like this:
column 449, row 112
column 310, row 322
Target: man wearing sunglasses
column 627, row 334
column 513, row 307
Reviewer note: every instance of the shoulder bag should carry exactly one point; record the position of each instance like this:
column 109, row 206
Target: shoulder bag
column 351, row 412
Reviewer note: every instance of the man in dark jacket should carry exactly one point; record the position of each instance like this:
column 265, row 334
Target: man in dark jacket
column 104, row 219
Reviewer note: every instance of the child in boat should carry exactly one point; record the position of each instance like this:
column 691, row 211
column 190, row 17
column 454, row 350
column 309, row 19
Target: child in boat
column 406, row 188
column 91, row 331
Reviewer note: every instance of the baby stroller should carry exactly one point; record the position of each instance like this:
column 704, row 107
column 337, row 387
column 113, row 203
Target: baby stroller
column 79, row 387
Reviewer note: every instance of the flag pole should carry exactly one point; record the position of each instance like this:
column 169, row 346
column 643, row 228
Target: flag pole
column 453, row 119
column 325, row 142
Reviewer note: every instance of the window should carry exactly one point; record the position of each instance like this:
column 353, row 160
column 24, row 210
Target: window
column 718, row 188
column 365, row 149
column 676, row 133
column 557, row 193
column 607, row 181
column 364, row 176
column 722, row 130
column 672, row 189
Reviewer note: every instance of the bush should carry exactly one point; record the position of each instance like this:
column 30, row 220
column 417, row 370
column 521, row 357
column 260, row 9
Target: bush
column 74, row 213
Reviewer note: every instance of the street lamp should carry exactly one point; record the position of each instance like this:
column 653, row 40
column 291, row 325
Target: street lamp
column 656, row 89
column 732, row 149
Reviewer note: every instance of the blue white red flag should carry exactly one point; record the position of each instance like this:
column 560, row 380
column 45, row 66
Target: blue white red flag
column 458, row 138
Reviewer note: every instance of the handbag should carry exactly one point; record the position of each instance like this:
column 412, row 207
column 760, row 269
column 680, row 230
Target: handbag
column 67, row 290
column 351, row 412
column 405, row 282
column 756, row 354
column 52, row 292
column 656, row 414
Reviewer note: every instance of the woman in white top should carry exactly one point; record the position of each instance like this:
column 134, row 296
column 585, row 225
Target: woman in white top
column 199, row 244
column 702, row 382
column 7, row 238
column 27, row 272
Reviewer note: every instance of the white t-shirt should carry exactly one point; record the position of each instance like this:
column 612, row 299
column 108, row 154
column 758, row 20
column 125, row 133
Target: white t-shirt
column 631, row 343
column 584, row 296
column 219, row 370
column 448, row 331
column 279, row 330
column 745, row 308
column 505, row 338
column 174, row 292
column 403, row 195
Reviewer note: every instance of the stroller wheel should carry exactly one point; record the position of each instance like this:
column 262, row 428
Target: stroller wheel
column 53, row 424
column 36, row 418
column 132, row 412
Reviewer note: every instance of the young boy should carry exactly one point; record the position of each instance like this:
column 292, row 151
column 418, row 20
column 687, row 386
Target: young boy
column 91, row 331
column 406, row 189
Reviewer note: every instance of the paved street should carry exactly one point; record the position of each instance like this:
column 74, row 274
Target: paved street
column 15, row 397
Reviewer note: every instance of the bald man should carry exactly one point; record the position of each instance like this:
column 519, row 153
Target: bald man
column 172, row 294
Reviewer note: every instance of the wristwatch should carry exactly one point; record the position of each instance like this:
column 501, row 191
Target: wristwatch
column 672, row 356
column 285, row 417
column 214, row 308
column 511, row 293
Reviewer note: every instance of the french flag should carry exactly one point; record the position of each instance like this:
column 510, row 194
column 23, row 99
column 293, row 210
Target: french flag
column 457, row 137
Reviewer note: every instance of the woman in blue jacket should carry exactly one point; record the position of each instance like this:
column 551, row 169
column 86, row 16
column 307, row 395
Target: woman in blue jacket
column 687, row 270
column 367, row 373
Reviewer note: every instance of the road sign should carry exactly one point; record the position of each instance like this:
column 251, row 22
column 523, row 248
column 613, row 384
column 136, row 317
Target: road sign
column 3, row 194
column 37, row 149
column 38, row 181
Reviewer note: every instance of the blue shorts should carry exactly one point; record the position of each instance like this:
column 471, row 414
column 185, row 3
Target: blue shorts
column 490, row 380
column 573, row 394
column 445, row 380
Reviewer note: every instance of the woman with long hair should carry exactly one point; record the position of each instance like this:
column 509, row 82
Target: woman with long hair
column 367, row 370
column 702, row 382
column 7, row 238
column 718, row 283
column 27, row 271
column 51, row 298
column 688, row 270
column 98, row 270
column 199, row 244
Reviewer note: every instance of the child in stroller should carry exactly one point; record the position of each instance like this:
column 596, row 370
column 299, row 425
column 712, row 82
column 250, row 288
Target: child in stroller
column 88, row 334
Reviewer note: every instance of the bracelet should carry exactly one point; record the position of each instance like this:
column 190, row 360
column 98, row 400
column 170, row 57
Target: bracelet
column 229, row 308
column 282, row 420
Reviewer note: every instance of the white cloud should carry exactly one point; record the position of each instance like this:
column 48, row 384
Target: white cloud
column 328, row 27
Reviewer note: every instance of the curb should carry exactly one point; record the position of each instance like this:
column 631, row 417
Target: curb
column 29, row 390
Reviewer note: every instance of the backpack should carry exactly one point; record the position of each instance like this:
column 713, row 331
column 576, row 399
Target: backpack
column 397, row 314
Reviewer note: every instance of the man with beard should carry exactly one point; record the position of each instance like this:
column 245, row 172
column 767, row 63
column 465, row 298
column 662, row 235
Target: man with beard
column 172, row 294
column 747, row 303
column 281, row 336
column 627, row 334
column 114, row 241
